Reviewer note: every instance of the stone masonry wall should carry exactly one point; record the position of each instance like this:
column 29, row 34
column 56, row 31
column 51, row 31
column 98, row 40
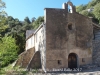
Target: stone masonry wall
column 96, row 52
column 20, row 59
column 35, row 62
column 61, row 41
column 27, row 57
column 96, row 47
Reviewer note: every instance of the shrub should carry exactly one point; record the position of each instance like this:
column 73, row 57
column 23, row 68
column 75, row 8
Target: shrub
column 8, row 52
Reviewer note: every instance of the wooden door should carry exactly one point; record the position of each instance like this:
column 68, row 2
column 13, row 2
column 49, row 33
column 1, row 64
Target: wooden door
column 72, row 61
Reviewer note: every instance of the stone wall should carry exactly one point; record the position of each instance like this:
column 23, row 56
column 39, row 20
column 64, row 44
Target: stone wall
column 25, row 58
column 61, row 39
column 35, row 62
column 20, row 59
column 96, row 34
column 96, row 52
column 96, row 47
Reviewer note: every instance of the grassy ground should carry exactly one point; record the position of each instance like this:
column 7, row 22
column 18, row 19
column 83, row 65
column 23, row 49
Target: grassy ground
column 10, row 70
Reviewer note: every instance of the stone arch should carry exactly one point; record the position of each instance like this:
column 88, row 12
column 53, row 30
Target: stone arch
column 70, row 3
column 72, row 60
column 70, row 7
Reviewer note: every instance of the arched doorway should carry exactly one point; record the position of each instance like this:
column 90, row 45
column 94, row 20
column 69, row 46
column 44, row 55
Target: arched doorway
column 72, row 61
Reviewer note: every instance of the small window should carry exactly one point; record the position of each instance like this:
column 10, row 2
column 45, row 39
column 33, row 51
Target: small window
column 59, row 62
column 83, row 60
column 70, row 26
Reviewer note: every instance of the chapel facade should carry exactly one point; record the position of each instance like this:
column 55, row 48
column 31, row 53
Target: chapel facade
column 64, row 40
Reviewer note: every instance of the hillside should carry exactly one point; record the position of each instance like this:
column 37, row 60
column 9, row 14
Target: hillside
column 92, row 9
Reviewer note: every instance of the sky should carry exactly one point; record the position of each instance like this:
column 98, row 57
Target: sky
column 34, row 8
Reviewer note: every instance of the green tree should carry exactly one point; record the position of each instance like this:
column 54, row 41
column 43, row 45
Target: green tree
column 14, row 26
column 81, row 7
column 95, row 6
column 8, row 52
column 15, row 30
column 97, row 11
column 3, row 15
column 37, row 22
column 33, row 19
column 91, row 4
column 27, row 25
column 86, row 13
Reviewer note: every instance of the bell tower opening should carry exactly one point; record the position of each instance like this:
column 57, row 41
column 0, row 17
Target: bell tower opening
column 70, row 9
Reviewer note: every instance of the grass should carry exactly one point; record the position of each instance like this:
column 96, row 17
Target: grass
column 10, row 70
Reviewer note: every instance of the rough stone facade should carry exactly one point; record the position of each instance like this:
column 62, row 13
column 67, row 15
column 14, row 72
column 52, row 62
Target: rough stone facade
column 25, row 58
column 67, row 33
column 64, row 40
column 96, row 46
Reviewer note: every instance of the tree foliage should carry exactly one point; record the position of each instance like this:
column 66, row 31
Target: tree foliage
column 8, row 52
column 37, row 22
column 3, row 15
column 92, row 9
column 86, row 13
column 97, row 11
column 12, row 35
column 91, row 4
column 81, row 7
